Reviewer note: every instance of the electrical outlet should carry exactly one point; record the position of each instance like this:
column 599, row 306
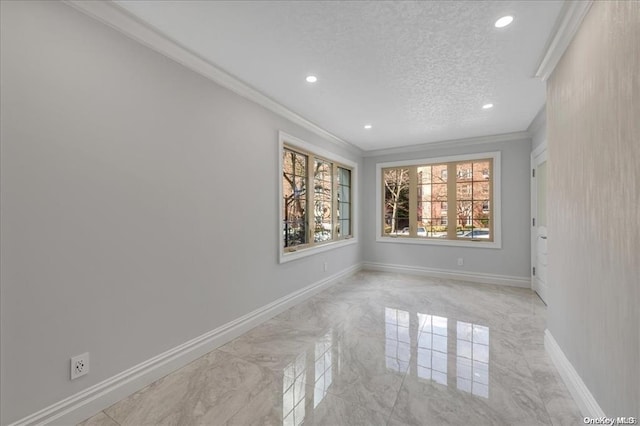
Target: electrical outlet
column 79, row 365
column 460, row 261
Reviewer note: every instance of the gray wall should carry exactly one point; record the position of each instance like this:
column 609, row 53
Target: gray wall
column 512, row 260
column 138, row 204
column 593, row 106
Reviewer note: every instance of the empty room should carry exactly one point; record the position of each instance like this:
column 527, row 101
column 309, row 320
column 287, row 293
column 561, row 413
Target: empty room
column 319, row 212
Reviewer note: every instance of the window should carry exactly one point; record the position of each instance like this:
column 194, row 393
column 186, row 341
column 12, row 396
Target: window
column 317, row 208
column 330, row 202
column 419, row 203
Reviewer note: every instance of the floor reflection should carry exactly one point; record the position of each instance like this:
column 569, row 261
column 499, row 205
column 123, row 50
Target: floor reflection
column 432, row 349
column 294, row 391
column 469, row 368
column 472, row 360
column 397, row 339
column 323, row 368
column 419, row 344
column 296, row 376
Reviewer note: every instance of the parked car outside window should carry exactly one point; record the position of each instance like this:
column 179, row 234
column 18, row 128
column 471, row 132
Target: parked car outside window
column 476, row 233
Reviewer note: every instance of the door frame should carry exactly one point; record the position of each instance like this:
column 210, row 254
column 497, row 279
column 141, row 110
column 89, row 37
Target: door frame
column 538, row 155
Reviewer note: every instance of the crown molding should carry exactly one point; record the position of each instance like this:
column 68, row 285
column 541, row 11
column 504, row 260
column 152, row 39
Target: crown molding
column 453, row 143
column 571, row 16
column 119, row 19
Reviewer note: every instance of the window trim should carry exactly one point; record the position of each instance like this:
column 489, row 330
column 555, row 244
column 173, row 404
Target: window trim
column 496, row 202
column 285, row 139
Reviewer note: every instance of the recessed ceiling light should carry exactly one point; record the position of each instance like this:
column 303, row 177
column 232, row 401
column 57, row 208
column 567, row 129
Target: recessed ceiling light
column 312, row 79
column 487, row 106
column 504, row 21
column 368, row 126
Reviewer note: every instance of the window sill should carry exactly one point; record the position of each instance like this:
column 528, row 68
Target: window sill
column 310, row 251
column 437, row 242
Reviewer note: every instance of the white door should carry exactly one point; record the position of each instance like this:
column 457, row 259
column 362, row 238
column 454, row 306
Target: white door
column 539, row 252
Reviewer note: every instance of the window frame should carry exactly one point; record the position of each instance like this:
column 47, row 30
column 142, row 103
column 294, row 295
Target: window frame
column 310, row 248
column 495, row 201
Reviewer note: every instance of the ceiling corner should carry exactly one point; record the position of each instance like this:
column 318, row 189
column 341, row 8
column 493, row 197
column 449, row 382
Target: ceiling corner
column 571, row 16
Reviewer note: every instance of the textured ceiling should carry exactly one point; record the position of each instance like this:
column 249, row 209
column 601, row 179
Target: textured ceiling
column 417, row 71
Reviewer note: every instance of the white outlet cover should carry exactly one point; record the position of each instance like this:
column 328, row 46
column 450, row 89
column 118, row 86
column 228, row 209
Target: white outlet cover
column 79, row 365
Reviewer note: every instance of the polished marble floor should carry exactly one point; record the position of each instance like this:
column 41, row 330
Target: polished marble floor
column 375, row 349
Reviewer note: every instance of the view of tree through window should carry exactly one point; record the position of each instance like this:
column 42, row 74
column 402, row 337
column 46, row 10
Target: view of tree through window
column 323, row 200
column 325, row 214
column 449, row 200
column 396, row 200
column 294, row 190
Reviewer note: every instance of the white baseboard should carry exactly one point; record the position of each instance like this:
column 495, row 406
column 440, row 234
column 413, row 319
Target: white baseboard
column 586, row 402
column 476, row 277
column 94, row 399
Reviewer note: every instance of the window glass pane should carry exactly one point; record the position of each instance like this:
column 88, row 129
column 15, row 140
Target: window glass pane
column 424, row 188
column 439, row 192
column 344, row 227
column 344, row 176
column 464, row 191
column 287, row 184
column 344, row 211
column 344, row 202
column 323, row 228
column 473, row 198
column 432, row 196
column 481, row 214
column 322, row 169
column 464, row 214
column 464, row 172
column 294, row 186
column 481, row 170
column 424, row 175
column 323, row 194
column 344, row 193
column 439, row 173
column 301, row 165
column 396, row 201
column 480, row 190
column 294, row 163
column 288, row 160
